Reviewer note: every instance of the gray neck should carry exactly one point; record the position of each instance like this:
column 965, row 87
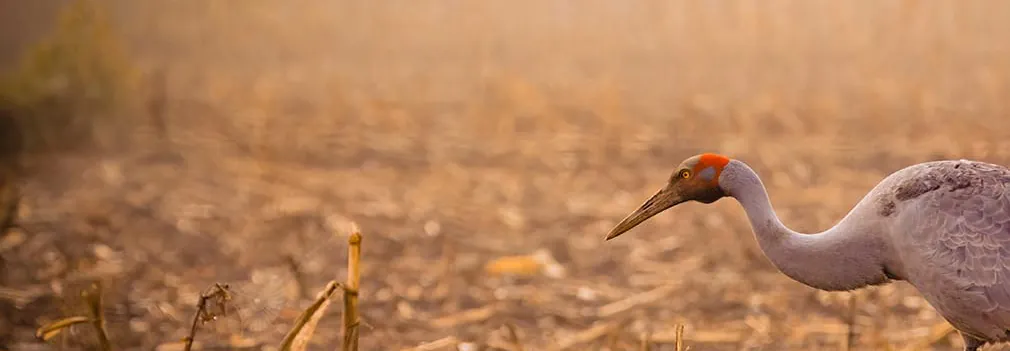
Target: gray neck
column 845, row 257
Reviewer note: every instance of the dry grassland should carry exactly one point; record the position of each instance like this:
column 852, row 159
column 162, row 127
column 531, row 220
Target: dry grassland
column 485, row 148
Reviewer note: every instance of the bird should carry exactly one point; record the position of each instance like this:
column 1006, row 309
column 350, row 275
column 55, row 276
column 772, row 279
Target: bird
column 942, row 226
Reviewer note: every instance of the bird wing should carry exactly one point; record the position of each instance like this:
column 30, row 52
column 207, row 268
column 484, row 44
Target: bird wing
column 962, row 218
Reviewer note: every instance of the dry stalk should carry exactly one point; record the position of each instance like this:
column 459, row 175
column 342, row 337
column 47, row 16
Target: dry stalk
column 514, row 337
column 671, row 336
column 588, row 335
column 218, row 291
column 434, row 345
column 299, row 335
column 350, row 325
column 612, row 338
column 466, row 316
column 678, row 340
column 635, row 300
column 48, row 331
column 645, row 344
column 93, row 298
column 851, row 335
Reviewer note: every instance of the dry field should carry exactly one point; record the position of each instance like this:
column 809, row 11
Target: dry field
column 484, row 149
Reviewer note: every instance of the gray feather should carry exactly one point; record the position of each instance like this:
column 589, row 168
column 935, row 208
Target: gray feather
column 961, row 224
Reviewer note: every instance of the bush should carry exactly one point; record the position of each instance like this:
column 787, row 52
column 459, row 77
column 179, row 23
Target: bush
column 70, row 88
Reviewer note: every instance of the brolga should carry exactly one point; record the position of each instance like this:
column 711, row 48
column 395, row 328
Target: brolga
column 941, row 226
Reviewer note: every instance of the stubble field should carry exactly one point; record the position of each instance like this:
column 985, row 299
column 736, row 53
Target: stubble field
column 484, row 150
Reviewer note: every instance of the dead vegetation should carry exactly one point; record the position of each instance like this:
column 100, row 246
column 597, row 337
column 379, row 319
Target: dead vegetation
column 69, row 91
column 216, row 303
column 487, row 160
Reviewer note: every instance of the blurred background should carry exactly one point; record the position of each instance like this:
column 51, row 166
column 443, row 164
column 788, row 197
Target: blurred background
column 484, row 149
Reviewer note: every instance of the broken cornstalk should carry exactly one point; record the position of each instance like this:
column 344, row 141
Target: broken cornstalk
column 351, row 319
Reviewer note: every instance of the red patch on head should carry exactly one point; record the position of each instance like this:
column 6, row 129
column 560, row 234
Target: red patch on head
column 719, row 161
column 716, row 161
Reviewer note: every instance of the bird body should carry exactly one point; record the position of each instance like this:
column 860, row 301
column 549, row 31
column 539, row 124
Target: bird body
column 942, row 226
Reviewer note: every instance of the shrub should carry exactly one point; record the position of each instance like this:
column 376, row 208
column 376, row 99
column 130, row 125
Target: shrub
column 69, row 90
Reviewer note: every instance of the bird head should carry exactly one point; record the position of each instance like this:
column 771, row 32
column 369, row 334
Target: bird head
column 695, row 179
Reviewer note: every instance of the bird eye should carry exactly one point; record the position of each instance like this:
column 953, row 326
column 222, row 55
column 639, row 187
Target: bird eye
column 685, row 174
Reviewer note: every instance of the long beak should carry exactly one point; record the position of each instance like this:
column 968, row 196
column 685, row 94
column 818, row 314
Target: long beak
column 659, row 202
